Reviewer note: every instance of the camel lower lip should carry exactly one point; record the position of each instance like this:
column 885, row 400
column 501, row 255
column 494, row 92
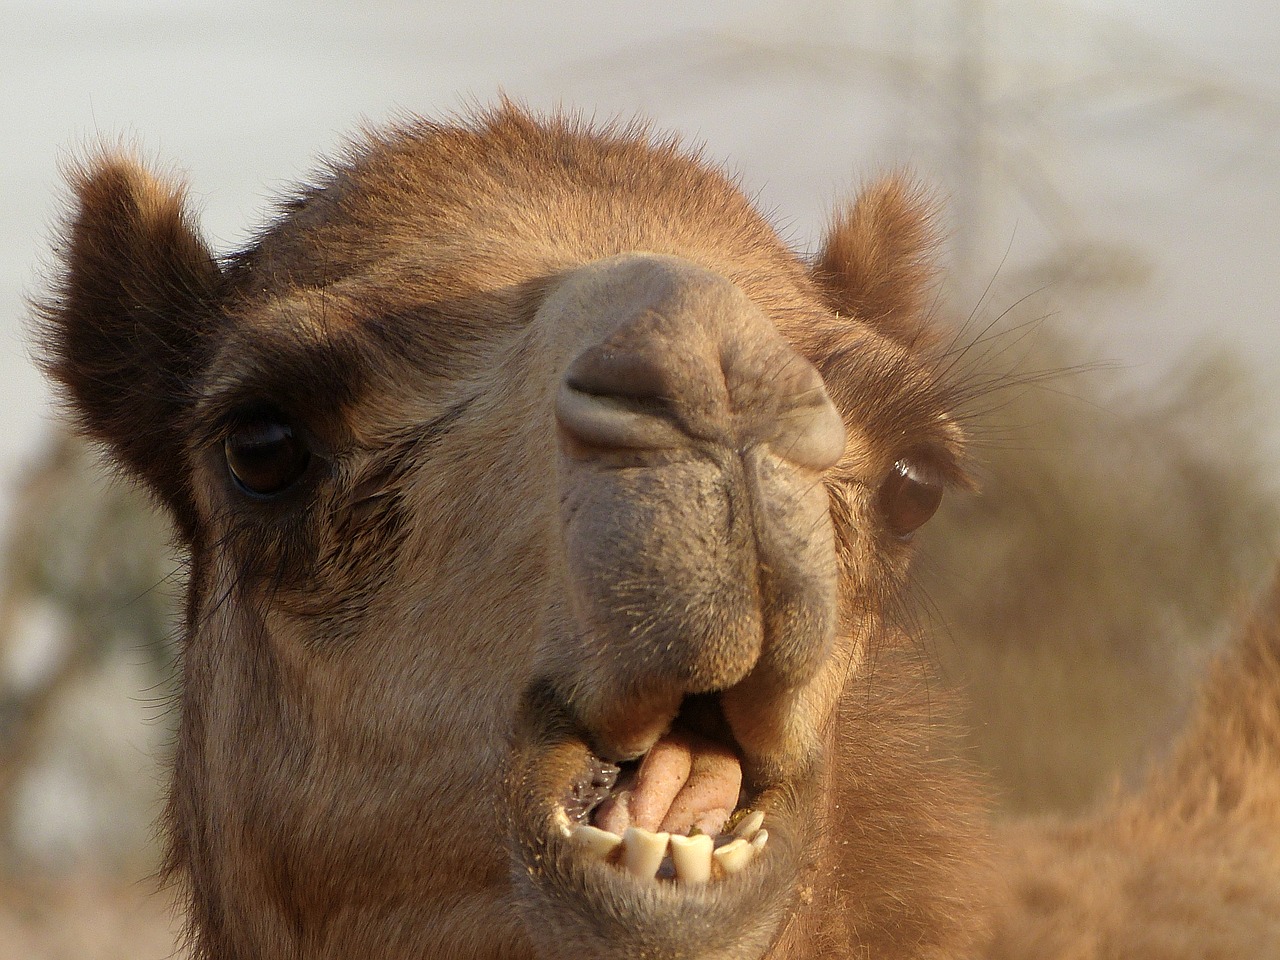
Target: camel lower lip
column 579, row 885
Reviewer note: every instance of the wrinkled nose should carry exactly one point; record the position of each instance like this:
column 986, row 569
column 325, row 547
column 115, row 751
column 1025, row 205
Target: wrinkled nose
column 688, row 357
column 708, row 558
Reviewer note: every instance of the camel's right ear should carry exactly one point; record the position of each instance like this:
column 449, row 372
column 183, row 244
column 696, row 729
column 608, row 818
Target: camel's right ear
column 128, row 320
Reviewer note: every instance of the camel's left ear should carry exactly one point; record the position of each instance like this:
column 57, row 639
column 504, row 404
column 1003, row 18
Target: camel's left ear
column 877, row 264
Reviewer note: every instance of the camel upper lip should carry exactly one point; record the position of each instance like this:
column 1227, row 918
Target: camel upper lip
column 696, row 764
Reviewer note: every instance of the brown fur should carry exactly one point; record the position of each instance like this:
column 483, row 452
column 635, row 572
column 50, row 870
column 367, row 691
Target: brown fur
column 135, row 383
column 392, row 670
column 879, row 262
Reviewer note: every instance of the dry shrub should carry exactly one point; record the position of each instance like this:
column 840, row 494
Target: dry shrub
column 1117, row 533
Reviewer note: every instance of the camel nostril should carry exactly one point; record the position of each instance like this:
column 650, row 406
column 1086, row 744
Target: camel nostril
column 811, row 435
column 614, row 398
column 630, row 374
column 696, row 363
column 602, row 420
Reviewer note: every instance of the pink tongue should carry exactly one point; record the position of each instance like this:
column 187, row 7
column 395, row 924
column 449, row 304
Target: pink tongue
column 685, row 781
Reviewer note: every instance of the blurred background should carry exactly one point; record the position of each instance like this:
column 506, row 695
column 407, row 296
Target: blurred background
column 1111, row 174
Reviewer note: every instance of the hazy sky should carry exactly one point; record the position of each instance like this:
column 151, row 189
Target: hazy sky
column 1147, row 126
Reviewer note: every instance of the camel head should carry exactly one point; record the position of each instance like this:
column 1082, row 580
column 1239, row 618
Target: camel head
column 543, row 509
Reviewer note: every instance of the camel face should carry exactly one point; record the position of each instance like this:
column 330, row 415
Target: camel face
column 541, row 507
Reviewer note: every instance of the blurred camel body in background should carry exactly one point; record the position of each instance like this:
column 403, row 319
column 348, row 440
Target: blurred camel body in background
column 1188, row 866
column 549, row 520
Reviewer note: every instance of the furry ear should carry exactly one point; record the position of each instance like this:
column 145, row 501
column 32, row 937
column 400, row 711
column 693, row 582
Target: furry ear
column 877, row 264
column 128, row 318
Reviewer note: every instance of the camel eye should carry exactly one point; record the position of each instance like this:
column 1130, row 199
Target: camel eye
column 907, row 499
column 265, row 456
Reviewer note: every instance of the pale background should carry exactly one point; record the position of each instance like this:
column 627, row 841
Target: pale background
column 1133, row 122
column 1127, row 150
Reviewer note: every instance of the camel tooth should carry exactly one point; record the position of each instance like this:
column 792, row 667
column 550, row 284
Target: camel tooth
column 692, row 857
column 748, row 825
column 759, row 840
column 642, row 851
column 598, row 843
column 732, row 857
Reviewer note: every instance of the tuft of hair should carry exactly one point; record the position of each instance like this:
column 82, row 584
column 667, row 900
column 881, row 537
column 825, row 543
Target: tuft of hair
column 133, row 294
column 878, row 265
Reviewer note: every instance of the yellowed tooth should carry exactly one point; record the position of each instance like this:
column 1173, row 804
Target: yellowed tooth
column 642, row 851
column 748, row 825
column 735, row 855
column 759, row 840
column 692, row 857
column 599, row 843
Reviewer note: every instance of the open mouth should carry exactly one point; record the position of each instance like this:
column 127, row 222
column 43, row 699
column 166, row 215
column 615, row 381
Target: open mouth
column 679, row 812
column 695, row 834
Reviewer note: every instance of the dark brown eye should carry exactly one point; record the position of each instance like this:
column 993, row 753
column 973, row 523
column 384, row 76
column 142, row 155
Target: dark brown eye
column 265, row 456
column 907, row 500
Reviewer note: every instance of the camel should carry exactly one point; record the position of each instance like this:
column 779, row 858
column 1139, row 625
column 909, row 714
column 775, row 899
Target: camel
column 1184, row 867
column 549, row 525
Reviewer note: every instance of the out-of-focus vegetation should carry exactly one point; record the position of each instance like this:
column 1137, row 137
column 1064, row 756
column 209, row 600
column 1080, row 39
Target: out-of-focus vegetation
column 89, row 609
column 1118, row 533
column 88, row 613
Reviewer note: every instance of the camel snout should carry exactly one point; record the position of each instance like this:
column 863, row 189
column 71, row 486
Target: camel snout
column 692, row 360
column 698, row 551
